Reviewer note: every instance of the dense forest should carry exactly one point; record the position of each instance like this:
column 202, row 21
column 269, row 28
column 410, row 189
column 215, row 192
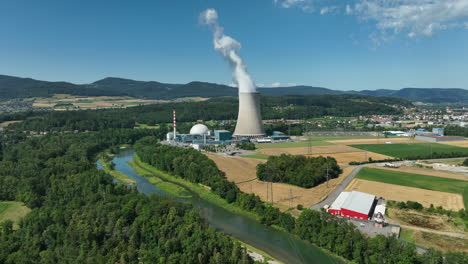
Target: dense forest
column 298, row 170
column 318, row 228
column 273, row 107
column 81, row 216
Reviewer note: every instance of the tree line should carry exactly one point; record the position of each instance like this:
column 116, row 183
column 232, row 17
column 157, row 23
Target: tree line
column 298, row 170
column 79, row 215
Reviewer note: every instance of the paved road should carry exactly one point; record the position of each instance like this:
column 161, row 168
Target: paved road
column 332, row 196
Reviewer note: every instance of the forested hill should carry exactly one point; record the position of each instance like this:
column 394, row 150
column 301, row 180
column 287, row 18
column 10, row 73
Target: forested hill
column 14, row 87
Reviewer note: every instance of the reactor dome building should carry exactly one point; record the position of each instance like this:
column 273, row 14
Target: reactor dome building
column 249, row 120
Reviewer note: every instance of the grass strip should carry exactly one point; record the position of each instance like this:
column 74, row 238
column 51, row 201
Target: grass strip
column 154, row 178
column 122, row 178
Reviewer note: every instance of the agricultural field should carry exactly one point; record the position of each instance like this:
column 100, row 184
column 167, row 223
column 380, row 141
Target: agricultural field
column 424, row 171
column 431, row 240
column 394, row 192
column 454, row 161
column 418, row 219
column 419, row 181
column 236, row 169
column 461, row 143
column 63, row 101
column 410, row 150
column 243, row 172
column 343, row 154
column 13, row 211
column 376, row 140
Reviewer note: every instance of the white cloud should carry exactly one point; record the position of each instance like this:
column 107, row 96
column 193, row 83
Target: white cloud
column 232, row 85
column 413, row 18
column 276, row 84
column 260, row 85
column 349, row 10
column 328, row 9
column 292, row 84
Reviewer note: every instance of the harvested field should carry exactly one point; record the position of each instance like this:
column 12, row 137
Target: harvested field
column 304, row 150
column 461, row 143
column 380, row 140
column 343, row 154
column 424, row 171
column 413, row 218
column 441, row 242
column 237, row 169
column 346, row 158
column 394, row 192
column 282, row 193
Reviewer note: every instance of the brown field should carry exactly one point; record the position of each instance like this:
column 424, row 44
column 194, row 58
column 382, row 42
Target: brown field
column 403, row 193
column 461, row 143
column 304, row 150
column 343, row 154
column 7, row 123
column 441, row 242
column 282, row 193
column 374, row 141
column 424, row 221
column 242, row 171
column 93, row 102
column 423, row 171
column 346, row 158
column 237, row 169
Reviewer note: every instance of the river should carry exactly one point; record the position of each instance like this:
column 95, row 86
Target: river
column 278, row 244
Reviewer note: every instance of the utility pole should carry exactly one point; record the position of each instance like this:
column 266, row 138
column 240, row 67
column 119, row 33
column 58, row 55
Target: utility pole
column 327, row 176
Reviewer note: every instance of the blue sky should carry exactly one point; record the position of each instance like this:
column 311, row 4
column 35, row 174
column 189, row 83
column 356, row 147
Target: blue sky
column 363, row 44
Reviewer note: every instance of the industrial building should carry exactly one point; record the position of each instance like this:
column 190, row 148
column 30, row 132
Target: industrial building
column 437, row 135
column 439, row 138
column 354, row 204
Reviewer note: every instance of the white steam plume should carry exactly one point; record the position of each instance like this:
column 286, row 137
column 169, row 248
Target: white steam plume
column 228, row 47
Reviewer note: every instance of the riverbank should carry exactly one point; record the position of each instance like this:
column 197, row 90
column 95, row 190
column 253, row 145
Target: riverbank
column 120, row 177
column 155, row 178
column 204, row 192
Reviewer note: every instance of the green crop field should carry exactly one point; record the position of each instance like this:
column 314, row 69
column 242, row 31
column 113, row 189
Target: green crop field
column 411, row 150
column 416, row 180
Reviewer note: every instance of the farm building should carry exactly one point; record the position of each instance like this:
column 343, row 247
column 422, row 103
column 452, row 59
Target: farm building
column 439, row 138
column 354, row 205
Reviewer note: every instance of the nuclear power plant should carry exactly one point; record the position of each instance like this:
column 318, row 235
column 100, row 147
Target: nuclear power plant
column 249, row 120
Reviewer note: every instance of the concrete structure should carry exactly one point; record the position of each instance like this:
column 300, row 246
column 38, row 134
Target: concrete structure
column 221, row 135
column 438, row 138
column 353, row 204
column 249, row 120
column 199, row 129
column 438, row 131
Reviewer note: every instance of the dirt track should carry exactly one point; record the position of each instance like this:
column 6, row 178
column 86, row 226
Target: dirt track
column 403, row 193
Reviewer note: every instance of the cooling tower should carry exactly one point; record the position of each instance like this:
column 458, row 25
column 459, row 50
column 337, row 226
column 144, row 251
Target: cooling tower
column 249, row 121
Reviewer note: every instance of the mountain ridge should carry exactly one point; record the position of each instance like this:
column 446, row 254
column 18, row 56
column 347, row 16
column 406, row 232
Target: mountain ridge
column 17, row 87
